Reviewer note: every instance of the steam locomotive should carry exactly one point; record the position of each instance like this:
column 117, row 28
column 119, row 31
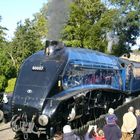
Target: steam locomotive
column 62, row 85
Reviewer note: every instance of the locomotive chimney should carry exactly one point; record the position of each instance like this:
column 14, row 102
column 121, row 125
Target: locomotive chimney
column 53, row 46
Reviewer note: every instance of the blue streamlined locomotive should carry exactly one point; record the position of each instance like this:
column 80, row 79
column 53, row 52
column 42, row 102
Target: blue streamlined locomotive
column 69, row 85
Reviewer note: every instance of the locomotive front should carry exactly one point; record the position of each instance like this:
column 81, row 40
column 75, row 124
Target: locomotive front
column 37, row 82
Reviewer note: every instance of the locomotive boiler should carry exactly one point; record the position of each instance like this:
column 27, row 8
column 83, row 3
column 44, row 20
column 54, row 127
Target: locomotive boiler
column 62, row 85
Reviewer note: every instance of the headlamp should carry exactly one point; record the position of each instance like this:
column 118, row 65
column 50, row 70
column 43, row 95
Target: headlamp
column 43, row 120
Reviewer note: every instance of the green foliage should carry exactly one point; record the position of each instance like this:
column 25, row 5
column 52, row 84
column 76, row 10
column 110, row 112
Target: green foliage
column 2, row 34
column 3, row 82
column 40, row 22
column 87, row 25
column 11, row 85
column 7, row 68
column 40, row 25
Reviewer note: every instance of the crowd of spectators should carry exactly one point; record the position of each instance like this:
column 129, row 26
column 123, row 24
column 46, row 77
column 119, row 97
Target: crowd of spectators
column 130, row 129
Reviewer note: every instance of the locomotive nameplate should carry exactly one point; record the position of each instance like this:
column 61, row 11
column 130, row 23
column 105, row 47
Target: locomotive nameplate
column 38, row 68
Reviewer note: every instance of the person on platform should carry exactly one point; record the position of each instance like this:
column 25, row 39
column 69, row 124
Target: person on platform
column 137, row 132
column 111, row 116
column 129, row 124
column 100, row 135
column 58, row 136
column 68, row 134
column 111, row 129
column 90, row 134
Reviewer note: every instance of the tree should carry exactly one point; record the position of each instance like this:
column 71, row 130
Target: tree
column 2, row 34
column 88, row 23
column 3, row 58
column 127, row 23
column 40, row 22
column 3, row 82
column 7, row 69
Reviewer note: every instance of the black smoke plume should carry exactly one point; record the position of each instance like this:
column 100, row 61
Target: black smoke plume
column 58, row 12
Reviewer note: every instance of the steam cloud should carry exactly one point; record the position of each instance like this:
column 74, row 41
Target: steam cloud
column 58, row 11
column 112, row 40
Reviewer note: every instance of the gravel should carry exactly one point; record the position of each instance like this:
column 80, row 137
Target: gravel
column 6, row 132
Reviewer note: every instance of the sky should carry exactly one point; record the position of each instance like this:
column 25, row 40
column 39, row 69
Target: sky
column 13, row 11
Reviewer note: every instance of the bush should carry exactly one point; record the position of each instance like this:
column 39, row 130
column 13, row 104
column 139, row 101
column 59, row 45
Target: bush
column 11, row 85
column 3, row 82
